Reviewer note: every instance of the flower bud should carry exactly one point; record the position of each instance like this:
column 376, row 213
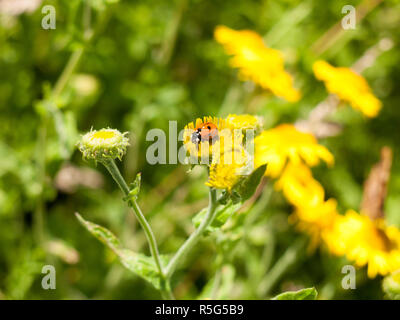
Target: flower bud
column 103, row 144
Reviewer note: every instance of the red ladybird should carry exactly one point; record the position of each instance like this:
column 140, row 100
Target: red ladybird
column 206, row 132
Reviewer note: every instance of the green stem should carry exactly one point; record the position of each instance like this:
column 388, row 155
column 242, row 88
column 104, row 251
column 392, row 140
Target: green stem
column 63, row 80
column 115, row 173
column 230, row 102
column 41, row 169
column 76, row 55
column 68, row 71
column 195, row 236
column 172, row 33
column 280, row 267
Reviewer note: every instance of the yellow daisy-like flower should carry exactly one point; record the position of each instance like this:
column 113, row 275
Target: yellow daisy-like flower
column 245, row 121
column 224, row 143
column 315, row 220
column 276, row 146
column 366, row 242
column 220, row 133
column 299, row 186
column 103, row 144
column 349, row 86
column 256, row 62
column 227, row 172
column 313, row 214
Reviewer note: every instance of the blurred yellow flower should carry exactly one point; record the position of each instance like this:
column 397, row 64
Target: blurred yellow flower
column 366, row 242
column 315, row 220
column 349, row 86
column 299, row 186
column 256, row 62
column 276, row 146
column 312, row 213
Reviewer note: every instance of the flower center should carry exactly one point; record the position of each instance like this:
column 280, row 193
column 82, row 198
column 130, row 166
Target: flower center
column 103, row 135
column 382, row 240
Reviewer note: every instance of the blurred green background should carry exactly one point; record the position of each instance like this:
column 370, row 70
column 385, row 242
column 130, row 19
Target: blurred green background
column 146, row 63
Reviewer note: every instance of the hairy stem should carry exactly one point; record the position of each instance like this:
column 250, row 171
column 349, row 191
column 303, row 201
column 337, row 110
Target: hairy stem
column 115, row 173
column 195, row 236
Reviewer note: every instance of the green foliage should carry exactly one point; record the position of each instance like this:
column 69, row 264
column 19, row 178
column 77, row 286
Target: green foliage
column 134, row 188
column 303, row 294
column 247, row 186
column 391, row 286
column 222, row 215
column 138, row 263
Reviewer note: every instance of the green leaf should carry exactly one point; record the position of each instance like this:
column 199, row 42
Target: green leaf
column 135, row 188
column 138, row 263
column 247, row 186
column 101, row 233
column 223, row 214
column 142, row 265
column 304, row 294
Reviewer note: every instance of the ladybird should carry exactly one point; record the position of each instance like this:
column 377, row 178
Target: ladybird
column 206, row 132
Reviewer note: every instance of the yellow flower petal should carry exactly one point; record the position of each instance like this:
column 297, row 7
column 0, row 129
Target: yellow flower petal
column 366, row 242
column 256, row 62
column 349, row 86
column 278, row 145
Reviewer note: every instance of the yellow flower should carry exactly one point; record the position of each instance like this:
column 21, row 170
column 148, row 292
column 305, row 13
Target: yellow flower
column 256, row 62
column 312, row 213
column 229, row 158
column 245, row 121
column 228, row 171
column 103, row 144
column 299, row 186
column 349, row 86
column 315, row 220
column 278, row 145
column 221, row 139
column 366, row 242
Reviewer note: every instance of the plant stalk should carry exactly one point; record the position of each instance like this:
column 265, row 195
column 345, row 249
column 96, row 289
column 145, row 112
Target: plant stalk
column 195, row 236
column 280, row 267
column 115, row 173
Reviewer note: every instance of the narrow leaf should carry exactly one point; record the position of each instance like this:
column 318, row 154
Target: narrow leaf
column 138, row 263
column 248, row 185
column 101, row 233
column 224, row 212
column 135, row 186
column 304, row 294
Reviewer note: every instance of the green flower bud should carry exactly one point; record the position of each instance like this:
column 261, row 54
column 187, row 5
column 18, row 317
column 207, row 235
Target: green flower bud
column 103, row 144
column 391, row 285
